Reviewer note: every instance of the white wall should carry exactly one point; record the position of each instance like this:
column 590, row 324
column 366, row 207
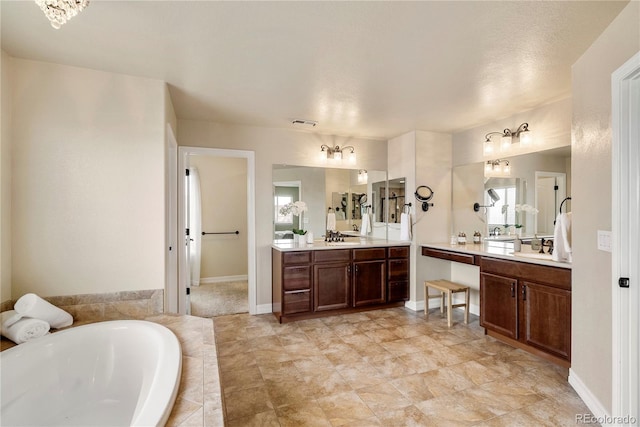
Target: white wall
column 591, row 188
column 424, row 158
column 88, row 180
column 223, row 190
column 5, row 180
column 274, row 146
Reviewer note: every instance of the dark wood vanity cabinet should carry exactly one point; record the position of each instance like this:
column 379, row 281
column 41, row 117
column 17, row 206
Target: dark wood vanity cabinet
column 323, row 282
column 528, row 304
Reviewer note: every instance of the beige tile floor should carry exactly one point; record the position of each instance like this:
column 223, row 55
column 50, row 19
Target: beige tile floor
column 383, row 368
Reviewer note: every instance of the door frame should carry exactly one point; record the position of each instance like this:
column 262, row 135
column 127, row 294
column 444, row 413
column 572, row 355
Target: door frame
column 625, row 89
column 183, row 162
column 171, row 222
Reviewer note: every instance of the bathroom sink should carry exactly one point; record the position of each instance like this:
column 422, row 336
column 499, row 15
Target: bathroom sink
column 534, row 255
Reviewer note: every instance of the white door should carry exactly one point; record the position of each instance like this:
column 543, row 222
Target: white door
column 625, row 264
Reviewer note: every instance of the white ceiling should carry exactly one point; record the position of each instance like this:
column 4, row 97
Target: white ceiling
column 367, row 69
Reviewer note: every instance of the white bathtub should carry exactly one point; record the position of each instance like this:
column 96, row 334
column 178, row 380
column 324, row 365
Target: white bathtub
column 117, row 373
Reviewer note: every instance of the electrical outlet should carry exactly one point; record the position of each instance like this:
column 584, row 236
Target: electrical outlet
column 604, row 240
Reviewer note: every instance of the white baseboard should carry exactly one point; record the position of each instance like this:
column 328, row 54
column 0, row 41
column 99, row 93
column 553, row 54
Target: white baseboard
column 587, row 397
column 419, row 306
column 263, row 309
column 220, row 279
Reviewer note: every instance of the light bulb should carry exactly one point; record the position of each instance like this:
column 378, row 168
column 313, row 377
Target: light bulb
column 322, row 156
column 505, row 142
column 337, row 155
column 488, row 147
column 352, row 157
column 507, row 170
column 488, row 168
column 526, row 137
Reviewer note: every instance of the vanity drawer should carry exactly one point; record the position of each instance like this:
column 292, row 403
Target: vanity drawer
column 399, row 252
column 451, row 256
column 303, row 257
column 553, row 276
column 398, row 269
column 295, row 278
column 332, row 255
column 296, row 302
column 369, row 254
column 398, row 291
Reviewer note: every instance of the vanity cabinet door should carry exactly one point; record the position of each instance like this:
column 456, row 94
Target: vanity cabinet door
column 369, row 282
column 331, row 286
column 546, row 318
column 499, row 304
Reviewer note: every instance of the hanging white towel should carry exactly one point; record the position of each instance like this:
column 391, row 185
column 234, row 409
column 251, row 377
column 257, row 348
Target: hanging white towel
column 405, row 226
column 31, row 305
column 562, row 238
column 331, row 221
column 24, row 329
column 365, row 227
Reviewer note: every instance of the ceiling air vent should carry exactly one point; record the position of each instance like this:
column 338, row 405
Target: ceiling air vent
column 300, row 122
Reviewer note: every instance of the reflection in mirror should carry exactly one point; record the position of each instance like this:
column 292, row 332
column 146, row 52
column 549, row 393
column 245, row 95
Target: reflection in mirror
column 321, row 189
column 538, row 181
column 392, row 200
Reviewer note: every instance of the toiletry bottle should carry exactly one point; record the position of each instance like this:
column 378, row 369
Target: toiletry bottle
column 477, row 237
column 535, row 243
column 462, row 238
column 517, row 245
column 453, row 240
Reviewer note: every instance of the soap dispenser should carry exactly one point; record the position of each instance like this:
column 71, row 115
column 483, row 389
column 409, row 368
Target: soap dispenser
column 517, row 245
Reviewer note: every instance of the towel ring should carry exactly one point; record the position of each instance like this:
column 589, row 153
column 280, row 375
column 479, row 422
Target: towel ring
column 423, row 194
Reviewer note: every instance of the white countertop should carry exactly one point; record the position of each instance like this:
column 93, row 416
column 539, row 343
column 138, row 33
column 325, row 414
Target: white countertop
column 503, row 250
column 286, row 245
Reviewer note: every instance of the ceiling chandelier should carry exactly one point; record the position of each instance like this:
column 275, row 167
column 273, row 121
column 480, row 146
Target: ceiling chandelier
column 60, row 11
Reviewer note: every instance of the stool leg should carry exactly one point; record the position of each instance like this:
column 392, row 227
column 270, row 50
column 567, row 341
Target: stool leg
column 426, row 301
column 449, row 308
column 441, row 303
column 466, row 305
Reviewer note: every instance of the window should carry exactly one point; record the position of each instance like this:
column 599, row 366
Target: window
column 499, row 215
column 279, row 202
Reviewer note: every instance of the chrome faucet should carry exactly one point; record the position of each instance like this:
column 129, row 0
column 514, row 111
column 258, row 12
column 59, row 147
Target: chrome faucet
column 333, row 236
column 548, row 243
column 355, row 227
column 496, row 231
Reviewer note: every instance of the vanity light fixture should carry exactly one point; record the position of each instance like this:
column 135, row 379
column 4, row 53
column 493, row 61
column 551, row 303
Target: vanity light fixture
column 335, row 153
column 60, row 11
column 522, row 133
column 497, row 168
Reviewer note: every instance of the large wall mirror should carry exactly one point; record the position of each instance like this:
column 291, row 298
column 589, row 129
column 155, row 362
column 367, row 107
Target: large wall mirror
column 537, row 182
column 348, row 193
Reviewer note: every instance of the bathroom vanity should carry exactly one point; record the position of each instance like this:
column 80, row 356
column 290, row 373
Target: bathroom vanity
column 525, row 299
column 324, row 279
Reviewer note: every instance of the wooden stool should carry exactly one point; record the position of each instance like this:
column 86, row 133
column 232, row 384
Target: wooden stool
column 448, row 288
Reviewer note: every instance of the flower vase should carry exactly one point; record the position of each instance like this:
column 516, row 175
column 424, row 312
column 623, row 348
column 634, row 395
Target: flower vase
column 302, row 240
column 519, row 232
column 296, row 238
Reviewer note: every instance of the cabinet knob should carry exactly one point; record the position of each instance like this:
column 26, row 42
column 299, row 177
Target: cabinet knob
column 524, row 292
column 513, row 290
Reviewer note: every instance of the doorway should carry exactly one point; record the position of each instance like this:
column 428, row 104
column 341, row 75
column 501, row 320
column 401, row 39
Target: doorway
column 551, row 189
column 226, row 231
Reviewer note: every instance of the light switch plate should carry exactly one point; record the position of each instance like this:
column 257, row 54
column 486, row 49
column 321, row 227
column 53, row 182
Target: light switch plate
column 604, row 240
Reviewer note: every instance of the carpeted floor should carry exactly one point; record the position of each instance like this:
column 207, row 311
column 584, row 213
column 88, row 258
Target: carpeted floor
column 219, row 299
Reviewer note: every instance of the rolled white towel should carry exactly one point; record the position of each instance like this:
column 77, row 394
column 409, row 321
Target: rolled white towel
column 31, row 305
column 24, row 329
column 9, row 318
